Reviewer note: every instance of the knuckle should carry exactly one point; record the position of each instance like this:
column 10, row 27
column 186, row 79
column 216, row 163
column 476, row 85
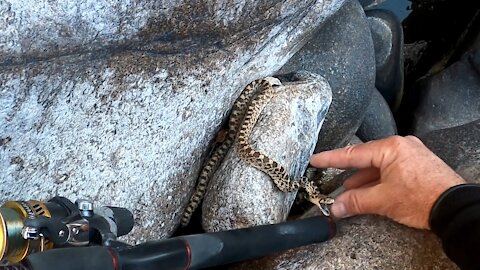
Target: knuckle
column 397, row 139
column 398, row 142
column 350, row 149
column 414, row 139
column 354, row 206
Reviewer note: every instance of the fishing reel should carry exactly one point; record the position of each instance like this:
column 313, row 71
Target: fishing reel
column 32, row 226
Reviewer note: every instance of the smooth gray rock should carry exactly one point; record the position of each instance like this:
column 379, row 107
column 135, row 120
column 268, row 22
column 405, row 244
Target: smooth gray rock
column 342, row 52
column 130, row 125
column 449, row 98
column 378, row 122
column 387, row 35
column 241, row 196
column 459, row 147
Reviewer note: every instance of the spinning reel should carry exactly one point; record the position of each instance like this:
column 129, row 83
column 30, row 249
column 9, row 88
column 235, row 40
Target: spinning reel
column 32, row 226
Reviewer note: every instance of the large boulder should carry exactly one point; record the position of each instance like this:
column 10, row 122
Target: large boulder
column 459, row 147
column 117, row 102
column 342, row 51
column 451, row 97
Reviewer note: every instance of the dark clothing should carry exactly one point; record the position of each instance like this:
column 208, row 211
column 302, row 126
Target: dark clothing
column 455, row 218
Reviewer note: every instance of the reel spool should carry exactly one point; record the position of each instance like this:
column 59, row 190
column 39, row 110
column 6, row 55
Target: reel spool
column 13, row 246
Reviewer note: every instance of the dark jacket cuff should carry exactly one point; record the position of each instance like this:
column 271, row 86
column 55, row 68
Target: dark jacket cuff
column 455, row 218
column 450, row 203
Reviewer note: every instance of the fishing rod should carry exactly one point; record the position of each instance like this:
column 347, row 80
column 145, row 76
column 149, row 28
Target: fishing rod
column 60, row 234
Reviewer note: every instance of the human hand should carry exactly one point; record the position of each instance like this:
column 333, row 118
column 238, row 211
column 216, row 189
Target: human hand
column 398, row 177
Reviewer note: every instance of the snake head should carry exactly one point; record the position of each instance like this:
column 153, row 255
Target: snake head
column 322, row 202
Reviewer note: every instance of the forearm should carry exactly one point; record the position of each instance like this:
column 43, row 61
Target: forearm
column 455, row 218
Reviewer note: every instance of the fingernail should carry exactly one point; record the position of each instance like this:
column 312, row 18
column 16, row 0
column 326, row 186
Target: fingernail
column 339, row 210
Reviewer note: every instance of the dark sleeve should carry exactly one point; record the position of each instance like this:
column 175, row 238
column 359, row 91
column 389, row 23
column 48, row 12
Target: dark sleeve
column 455, row 218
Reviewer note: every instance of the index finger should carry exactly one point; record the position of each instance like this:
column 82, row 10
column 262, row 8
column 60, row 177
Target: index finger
column 364, row 155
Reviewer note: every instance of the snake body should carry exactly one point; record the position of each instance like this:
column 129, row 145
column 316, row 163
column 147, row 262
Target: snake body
column 245, row 113
column 219, row 153
column 277, row 172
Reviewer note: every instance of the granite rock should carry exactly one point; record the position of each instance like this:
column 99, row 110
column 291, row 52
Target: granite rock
column 117, row 102
column 378, row 122
column 241, row 196
column 459, row 147
column 449, row 98
column 342, row 52
column 387, row 35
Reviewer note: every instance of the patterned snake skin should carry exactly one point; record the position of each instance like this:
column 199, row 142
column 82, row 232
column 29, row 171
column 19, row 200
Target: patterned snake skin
column 248, row 108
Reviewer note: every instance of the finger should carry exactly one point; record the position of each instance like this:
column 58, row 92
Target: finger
column 371, row 154
column 362, row 177
column 358, row 201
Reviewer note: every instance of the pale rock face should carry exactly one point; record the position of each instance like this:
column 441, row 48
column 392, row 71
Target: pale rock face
column 117, row 102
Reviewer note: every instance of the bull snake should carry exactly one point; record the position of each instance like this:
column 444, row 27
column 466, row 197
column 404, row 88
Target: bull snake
column 244, row 115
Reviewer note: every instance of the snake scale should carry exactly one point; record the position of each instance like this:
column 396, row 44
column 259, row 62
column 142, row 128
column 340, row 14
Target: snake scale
column 245, row 113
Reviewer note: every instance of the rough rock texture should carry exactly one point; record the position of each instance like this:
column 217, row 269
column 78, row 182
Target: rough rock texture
column 366, row 242
column 31, row 30
column 241, row 196
column 370, row 3
column 459, row 147
column 130, row 125
column 342, row 52
column 387, row 35
column 451, row 97
column 378, row 122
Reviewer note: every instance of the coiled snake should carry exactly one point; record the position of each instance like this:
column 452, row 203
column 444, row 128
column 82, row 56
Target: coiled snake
column 244, row 115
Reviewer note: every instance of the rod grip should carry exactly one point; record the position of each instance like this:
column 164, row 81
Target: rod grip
column 75, row 258
column 213, row 249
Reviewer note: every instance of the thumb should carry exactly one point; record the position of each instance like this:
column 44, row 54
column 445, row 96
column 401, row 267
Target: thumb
column 355, row 202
